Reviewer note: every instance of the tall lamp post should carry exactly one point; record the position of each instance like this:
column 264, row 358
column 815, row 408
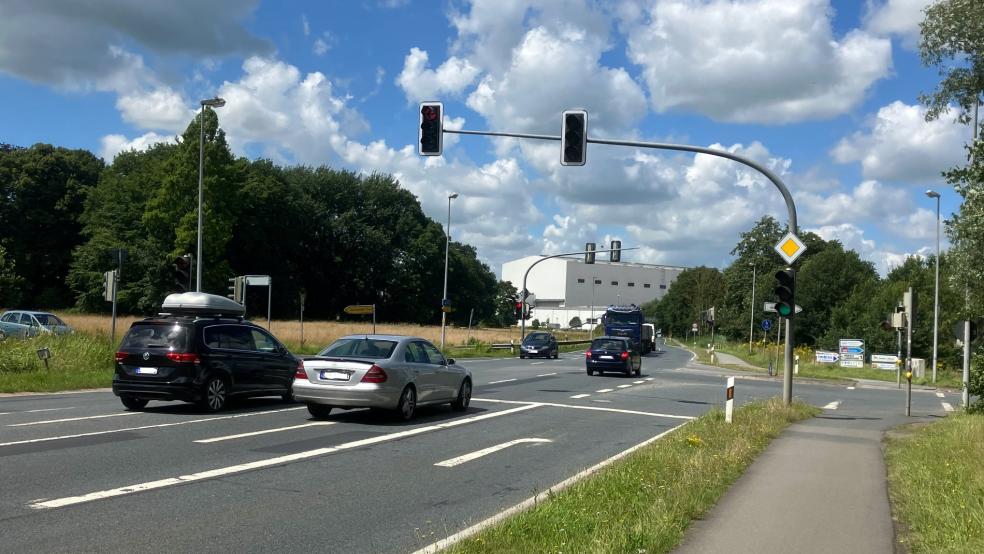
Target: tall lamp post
column 936, row 301
column 447, row 246
column 751, row 318
column 212, row 103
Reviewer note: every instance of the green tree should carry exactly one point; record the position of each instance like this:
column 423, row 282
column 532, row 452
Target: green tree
column 11, row 284
column 575, row 323
column 694, row 291
column 952, row 40
column 824, row 281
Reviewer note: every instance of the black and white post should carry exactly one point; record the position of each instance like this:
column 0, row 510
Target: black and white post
column 729, row 400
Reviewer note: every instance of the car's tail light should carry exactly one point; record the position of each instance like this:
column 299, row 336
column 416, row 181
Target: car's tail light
column 184, row 358
column 587, row 353
column 300, row 374
column 374, row 375
column 625, row 355
column 120, row 356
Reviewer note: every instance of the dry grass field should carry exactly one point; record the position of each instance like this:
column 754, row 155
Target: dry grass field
column 320, row 333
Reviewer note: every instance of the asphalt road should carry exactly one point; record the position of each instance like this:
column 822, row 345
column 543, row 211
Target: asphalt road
column 81, row 474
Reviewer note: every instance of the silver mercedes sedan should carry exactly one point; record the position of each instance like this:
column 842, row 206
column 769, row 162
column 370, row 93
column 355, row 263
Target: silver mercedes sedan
column 391, row 372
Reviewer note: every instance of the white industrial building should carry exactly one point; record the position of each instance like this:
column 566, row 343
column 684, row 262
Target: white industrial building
column 568, row 287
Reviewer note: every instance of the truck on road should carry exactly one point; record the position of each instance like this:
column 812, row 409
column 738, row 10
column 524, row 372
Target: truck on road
column 628, row 321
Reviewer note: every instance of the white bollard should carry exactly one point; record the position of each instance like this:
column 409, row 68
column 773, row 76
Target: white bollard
column 729, row 402
column 796, row 366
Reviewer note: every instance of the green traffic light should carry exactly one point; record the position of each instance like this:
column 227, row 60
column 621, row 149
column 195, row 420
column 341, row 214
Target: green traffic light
column 784, row 310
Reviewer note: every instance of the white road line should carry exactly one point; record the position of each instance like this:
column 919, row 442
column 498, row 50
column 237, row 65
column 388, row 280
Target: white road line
column 648, row 378
column 581, row 396
column 39, row 410
column 485, row 451
column 941, row 395
column 833, row 405
column 260, row 464
column 532, row 501
column 72, row 419
column 547, row 374
column 142, row 427
column 638, row 382
column 263, row 432
column 624, row 386
column 605, row 390
column 576, row 407
column 947, row 407
column 502, row 381
column 537, row 363
column 850, row 388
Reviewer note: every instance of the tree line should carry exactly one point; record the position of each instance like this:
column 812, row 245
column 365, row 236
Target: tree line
column 337, row 236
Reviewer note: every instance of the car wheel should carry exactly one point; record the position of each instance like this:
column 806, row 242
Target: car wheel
column 133, row 404
column 460, row 404
column 319, row 411
column 556, row 354
column 590, row 372
column 522, row 356
column 289, row 395
column 407, row 405
column 215, row 394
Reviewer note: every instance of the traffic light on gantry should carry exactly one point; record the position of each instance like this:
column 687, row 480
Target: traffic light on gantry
column 589, row 253
column 616, row 251
column 785, row 293
column 431, row 128
column 574, row 138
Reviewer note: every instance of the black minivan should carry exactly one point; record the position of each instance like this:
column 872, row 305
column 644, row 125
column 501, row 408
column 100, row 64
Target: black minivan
column 200, row 358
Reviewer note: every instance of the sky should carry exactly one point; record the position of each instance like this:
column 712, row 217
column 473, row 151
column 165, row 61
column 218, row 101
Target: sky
column 822, row 92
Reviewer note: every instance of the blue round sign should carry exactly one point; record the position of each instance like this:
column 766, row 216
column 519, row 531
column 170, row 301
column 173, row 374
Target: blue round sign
column 766, row 324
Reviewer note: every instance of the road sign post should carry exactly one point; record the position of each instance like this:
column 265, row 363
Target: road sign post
column 363, row 309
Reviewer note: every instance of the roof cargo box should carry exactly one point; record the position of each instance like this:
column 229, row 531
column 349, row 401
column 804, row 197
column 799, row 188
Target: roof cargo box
column 200, row 303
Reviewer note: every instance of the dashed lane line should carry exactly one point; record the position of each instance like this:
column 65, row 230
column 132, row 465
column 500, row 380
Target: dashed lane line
column 537, row 363
column 67, row 419
column 638, row 382
column 941, row 395
column 502, row 381
column 486, row 451
column 624, row 386
column 604, row 390
column 263, row 432
column 154, row 426
column 581, row 396
column 947, row 407
column 547, row 374
column 39, row 410
column 833, row 405
column 850, row 388
column 41, row 504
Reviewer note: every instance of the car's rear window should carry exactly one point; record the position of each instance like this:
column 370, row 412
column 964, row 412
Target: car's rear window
column 48, row 319
column 360, row 348
column 171, row 336
column 607, row 344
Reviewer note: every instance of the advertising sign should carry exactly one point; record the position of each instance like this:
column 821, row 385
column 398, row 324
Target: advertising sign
column 824, row 357
column 883, row 361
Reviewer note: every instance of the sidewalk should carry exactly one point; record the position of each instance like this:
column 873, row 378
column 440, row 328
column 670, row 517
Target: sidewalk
column 819, row 487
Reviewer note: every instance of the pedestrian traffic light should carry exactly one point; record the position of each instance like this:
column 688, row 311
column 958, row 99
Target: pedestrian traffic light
column 589, row 253
column 431, row 128
column 574, row 138
column 786, row 291
column 182, row 272
column 615, row 254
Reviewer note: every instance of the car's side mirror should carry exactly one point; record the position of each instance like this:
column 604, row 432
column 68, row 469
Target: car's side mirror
column 449, row 361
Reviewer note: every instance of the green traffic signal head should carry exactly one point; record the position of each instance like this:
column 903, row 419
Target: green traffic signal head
column 784, row 309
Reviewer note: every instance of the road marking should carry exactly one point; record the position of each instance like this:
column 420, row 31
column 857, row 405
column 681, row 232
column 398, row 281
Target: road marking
column 581, row 396
column 537, row 363
column 263, row 432
column 534, row 500
column 547, row 374
column 605, row 390
column 648, row 378
column 638, row 382
column 850, row 388
column 833, row 405
column 260, row 464
column 142, row 427
column 624, row 386
column 502, row 381
column 39, row 410
column 577, row 407
column 947, row 407
column 72, row 419
column 941, row 395
column 485, row 451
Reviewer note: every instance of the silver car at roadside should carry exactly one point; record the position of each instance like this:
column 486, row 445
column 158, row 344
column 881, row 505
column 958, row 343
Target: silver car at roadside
column 391, row 372
column 28, row 323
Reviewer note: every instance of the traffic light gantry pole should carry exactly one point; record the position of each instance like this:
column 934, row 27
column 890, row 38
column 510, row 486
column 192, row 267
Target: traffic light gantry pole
column 787, row 389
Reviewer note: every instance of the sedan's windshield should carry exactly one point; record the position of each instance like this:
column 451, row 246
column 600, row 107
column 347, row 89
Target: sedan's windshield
column 619, row 318
column 360, row 348
column 537, row 339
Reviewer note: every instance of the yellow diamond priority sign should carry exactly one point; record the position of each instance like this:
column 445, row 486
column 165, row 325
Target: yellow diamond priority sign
column 790, row 247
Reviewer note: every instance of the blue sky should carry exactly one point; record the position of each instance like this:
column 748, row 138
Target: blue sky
column 823, row 92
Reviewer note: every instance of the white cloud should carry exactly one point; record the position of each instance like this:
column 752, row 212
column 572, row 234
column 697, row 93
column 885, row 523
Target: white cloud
column 420, row 83
column 870, row 201
column 114, row 144
column 305, row 25
column 896, row 17
column 159, row 108
column 754, row 61
column 900, row 145
column 320, row 47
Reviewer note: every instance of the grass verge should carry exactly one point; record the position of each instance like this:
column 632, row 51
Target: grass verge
column 646, row 501
column 78, row 361
column 936, row 483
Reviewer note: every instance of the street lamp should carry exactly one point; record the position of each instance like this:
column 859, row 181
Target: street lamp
column 212, row 103
column 447, row 246
column 936, row 301
column 751, row 318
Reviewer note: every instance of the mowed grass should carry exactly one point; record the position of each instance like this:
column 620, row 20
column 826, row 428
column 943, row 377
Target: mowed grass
column 78, row 361
column 936, row 482
column 646, row 501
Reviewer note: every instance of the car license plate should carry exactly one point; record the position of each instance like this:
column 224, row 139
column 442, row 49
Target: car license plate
column 532, row 351
column 334, row 376
column 606, row 357
column 147, row 371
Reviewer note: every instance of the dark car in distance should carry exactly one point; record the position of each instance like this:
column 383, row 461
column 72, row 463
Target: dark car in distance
column 613, row 354
column 539, row 344
column 206, row 354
